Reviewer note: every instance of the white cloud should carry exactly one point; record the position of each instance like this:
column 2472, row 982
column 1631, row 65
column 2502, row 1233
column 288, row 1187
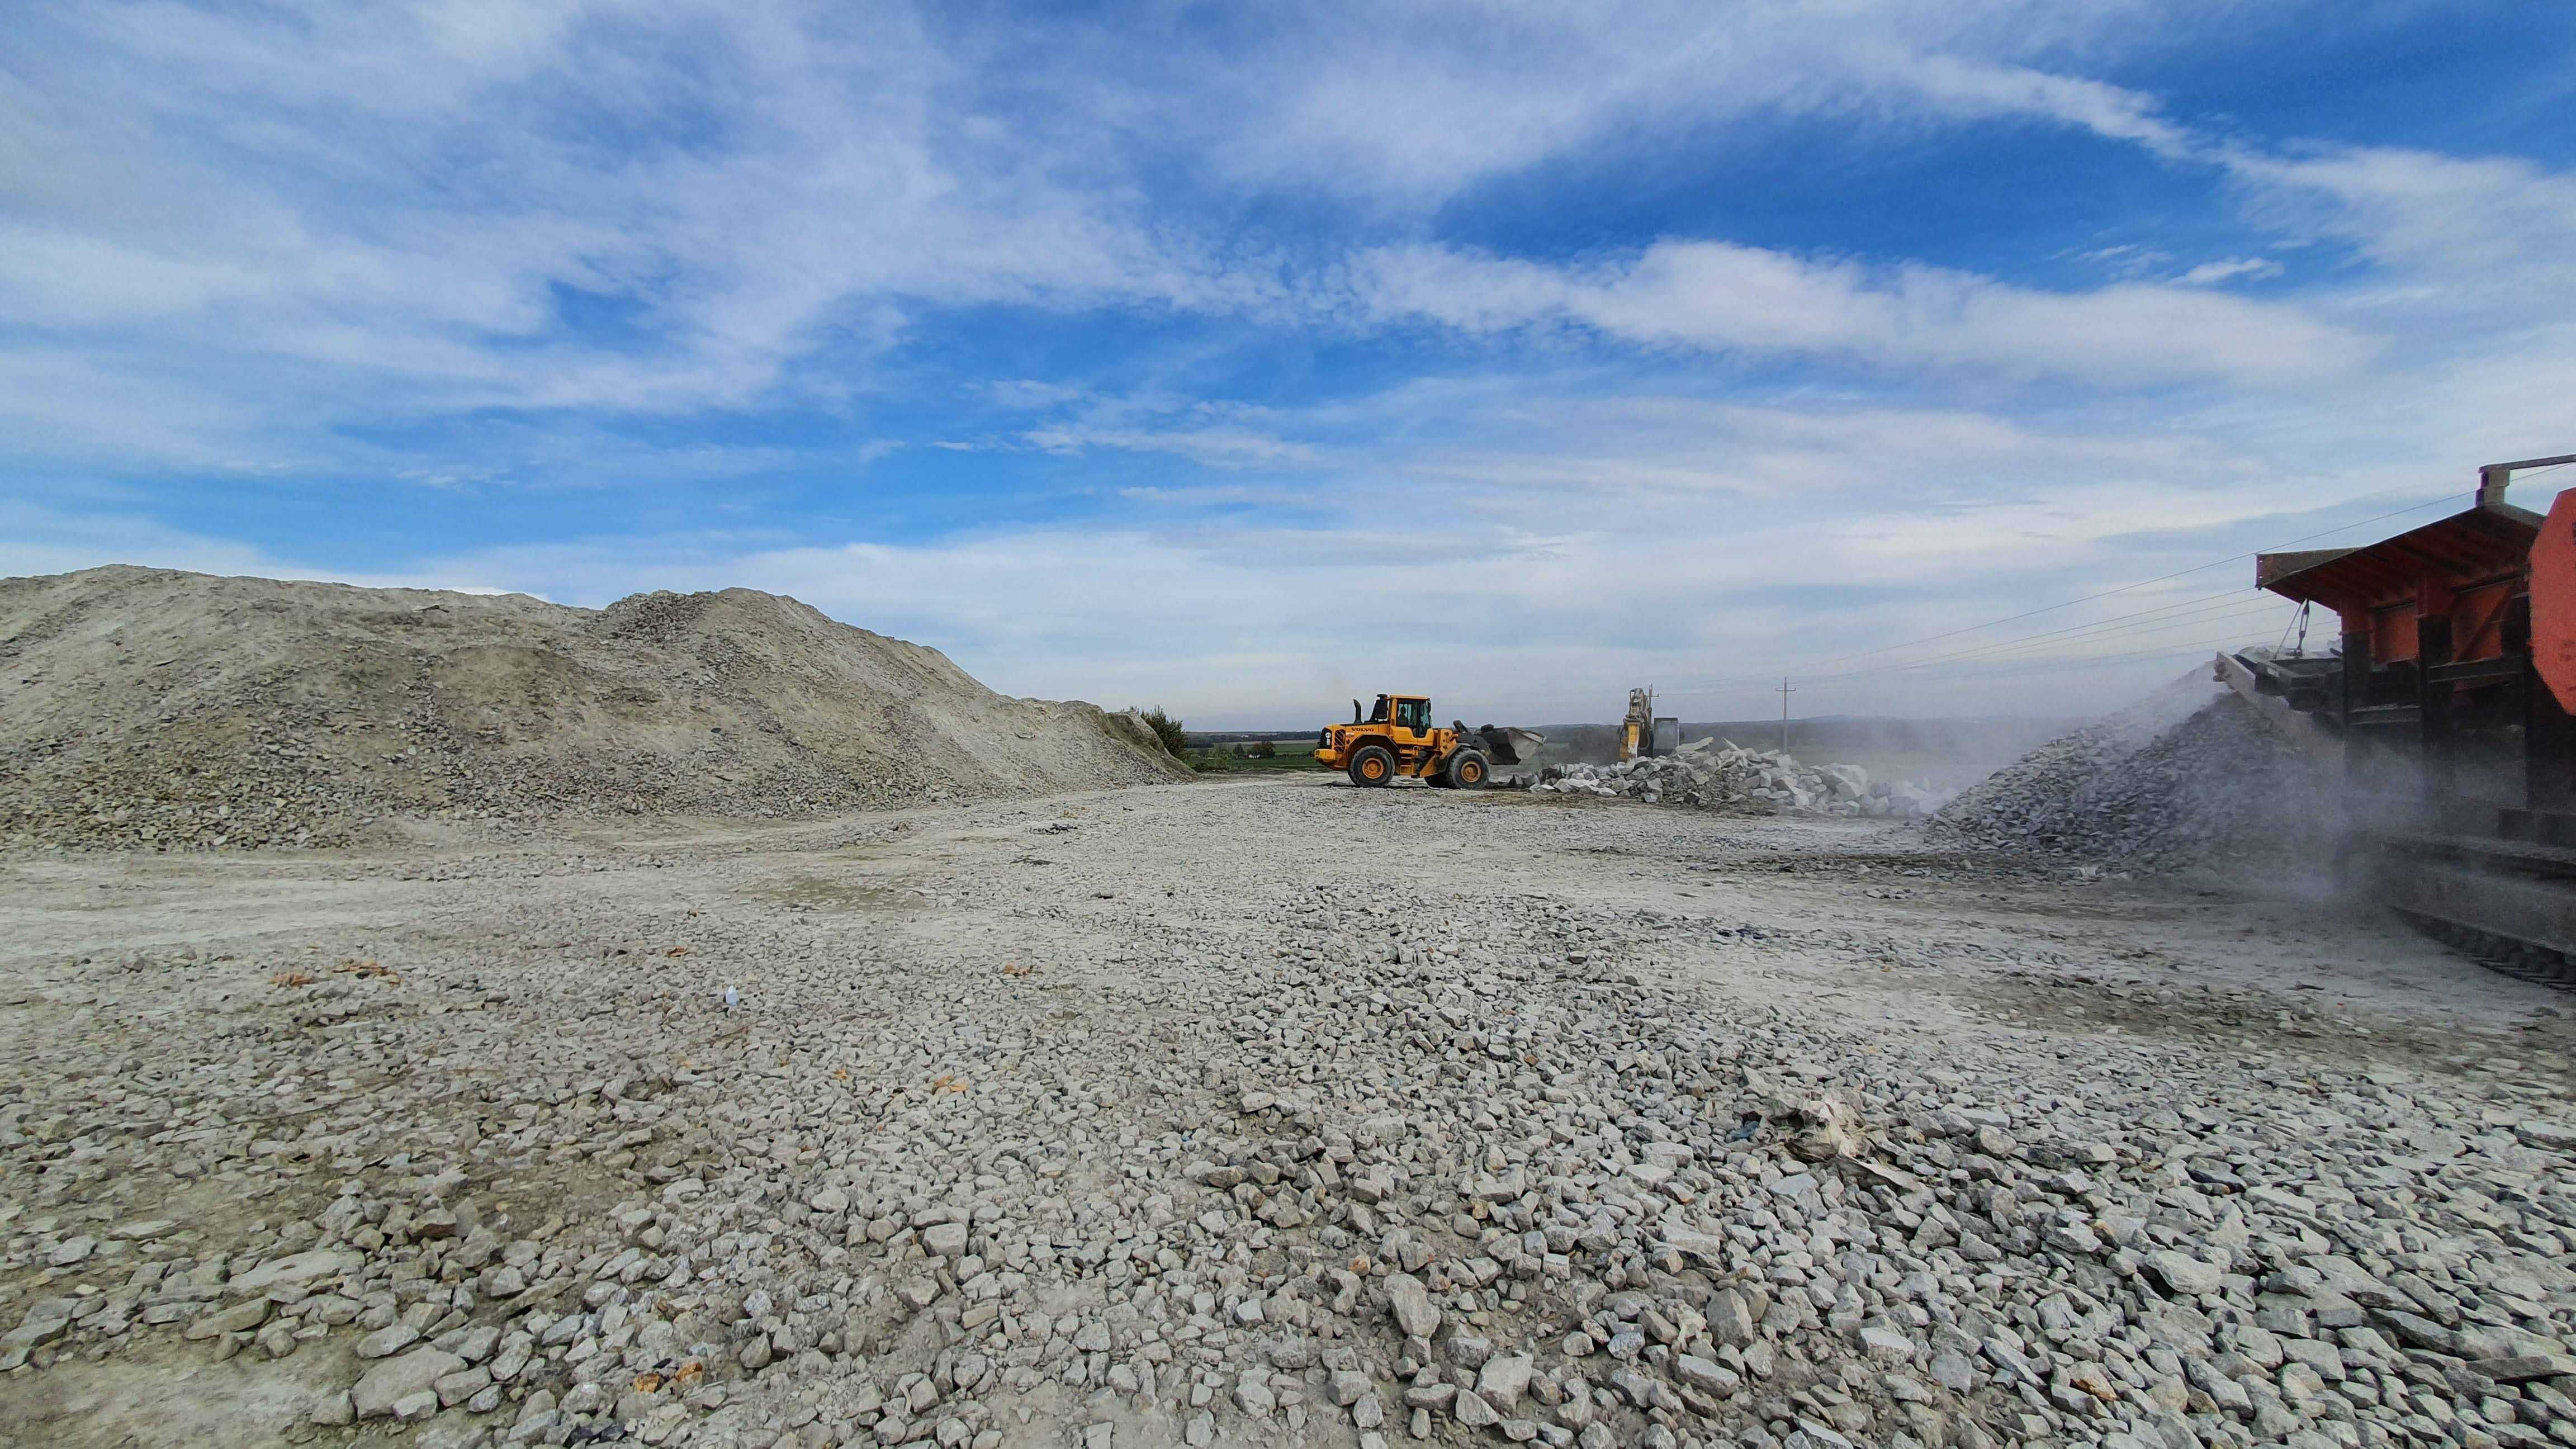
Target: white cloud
column 1211, row 434
column 376, row 210
column 1550, row 560
column 2210, row 274
column 1215, row 447
column 1427, row 99
column 2464, row 217
column 1728, row 297
column 380, row 210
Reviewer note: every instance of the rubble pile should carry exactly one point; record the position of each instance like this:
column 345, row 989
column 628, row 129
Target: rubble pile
column 152, row 709
column 2191, row 779
column 1713, row 774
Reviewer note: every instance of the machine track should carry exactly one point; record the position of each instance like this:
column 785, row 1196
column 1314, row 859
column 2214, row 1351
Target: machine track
column 2504, row 955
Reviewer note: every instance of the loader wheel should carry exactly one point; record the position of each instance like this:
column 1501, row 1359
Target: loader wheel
column 1372, row 765
column 1467, row 770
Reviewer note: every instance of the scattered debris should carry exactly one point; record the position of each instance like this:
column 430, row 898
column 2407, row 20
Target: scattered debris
column 1713, row 774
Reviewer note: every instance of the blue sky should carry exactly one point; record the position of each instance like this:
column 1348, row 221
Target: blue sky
column 1244, row 358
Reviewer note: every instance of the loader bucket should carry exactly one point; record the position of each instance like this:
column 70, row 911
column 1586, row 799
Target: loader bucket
column 1510, row 746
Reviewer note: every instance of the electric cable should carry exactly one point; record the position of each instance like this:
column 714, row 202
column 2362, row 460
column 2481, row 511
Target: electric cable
column 1694, row 687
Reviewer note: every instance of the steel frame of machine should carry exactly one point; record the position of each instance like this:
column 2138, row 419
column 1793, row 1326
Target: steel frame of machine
column 2449, row 706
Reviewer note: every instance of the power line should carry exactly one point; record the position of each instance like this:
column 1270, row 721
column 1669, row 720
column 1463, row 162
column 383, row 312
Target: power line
column 2235, row 607
column 1711, row 685
column 2005, row 647
column 1988, row 668
column 2017, row 655
column 1985, row 669
column 2233, row 599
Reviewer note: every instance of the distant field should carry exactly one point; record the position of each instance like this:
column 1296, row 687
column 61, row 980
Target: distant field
column 1230, row 757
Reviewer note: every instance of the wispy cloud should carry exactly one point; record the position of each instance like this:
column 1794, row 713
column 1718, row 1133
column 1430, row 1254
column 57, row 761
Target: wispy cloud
column 1723, row 296
column 2229, row 269
column 1433, row 97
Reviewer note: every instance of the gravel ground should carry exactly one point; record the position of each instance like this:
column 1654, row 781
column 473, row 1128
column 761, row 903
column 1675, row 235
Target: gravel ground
column 1270, row 1113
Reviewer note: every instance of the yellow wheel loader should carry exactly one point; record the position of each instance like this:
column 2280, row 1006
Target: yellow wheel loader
column 1397, row 740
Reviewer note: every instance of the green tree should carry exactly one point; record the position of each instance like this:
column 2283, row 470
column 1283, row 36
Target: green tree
column 1165, row 728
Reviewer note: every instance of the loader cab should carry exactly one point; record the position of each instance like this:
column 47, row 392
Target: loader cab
column 1412, row 713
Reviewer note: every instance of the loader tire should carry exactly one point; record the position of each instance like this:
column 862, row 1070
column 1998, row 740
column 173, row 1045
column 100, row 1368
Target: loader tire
column 1468, row 770
column 1372, row 765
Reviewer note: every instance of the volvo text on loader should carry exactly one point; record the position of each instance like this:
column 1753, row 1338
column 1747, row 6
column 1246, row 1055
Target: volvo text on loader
column 1397, row 739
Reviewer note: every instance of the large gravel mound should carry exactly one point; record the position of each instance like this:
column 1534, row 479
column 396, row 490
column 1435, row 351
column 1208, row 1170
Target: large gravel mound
column 173, row 710
column 2189, row 779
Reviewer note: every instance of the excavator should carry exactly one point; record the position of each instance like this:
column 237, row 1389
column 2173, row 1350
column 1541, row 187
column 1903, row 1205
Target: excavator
column 1396, row 740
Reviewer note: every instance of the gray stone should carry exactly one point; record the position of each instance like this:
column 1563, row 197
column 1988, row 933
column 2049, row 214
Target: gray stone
column 393, row 1338
column 1953, row 1371
column 1252, row 1395
column 1503, row 1380
column 456, row 1388
column 2526, row 1367
column 240, row 1318
column 1466, row 1350
column 1886, row 1345
column 2182, row 1273
column 396, row 1379
column 1706, row 1376
column 1410, row 1303
column 301, row 1270
column 1731, row 1319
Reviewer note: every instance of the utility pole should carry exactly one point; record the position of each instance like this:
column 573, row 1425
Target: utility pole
column 1785, row 692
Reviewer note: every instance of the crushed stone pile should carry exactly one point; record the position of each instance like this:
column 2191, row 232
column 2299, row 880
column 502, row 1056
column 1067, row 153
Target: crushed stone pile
column 2190, row 778
column 1713, row 774
column 163, row 710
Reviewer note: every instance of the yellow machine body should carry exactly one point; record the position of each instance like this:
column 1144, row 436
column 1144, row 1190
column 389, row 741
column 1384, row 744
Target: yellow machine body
column 1398, row 741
